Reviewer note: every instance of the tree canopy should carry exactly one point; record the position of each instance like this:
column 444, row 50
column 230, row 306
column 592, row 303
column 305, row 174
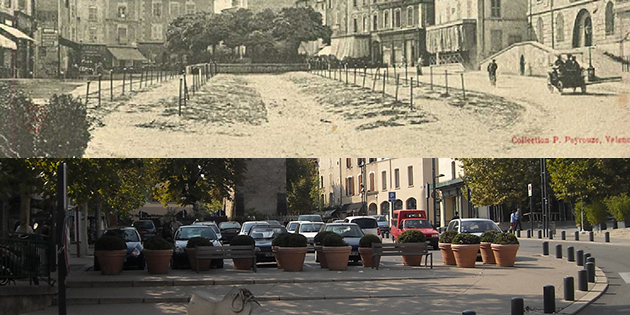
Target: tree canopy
column 302, row 186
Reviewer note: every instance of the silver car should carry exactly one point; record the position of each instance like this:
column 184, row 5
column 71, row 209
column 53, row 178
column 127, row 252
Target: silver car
column 473, row 226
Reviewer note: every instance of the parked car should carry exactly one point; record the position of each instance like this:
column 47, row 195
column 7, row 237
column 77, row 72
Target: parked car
column 351, row 233
column 183, row 234
column 368, row 224
column 293, row 226
column 146, row 228
column 248, row 225
column 310, row 217
column 229, row 230
column 310, row 229
column 421, row 225
column 382, row 223
column 212, row 225
column 134, row 256
column 473, row 226
column 263, row 234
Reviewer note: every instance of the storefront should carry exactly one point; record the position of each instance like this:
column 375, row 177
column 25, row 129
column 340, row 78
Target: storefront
column 7, row 53
column 354, row 46
column 452, row 43
column 401, row 46
column 17, row 61
column 125, row 57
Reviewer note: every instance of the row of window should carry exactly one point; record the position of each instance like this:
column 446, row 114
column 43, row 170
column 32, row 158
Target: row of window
column 157, row 33
column 350, row 181
column 387, row 20
column 157, row 10
column 21, row 4
column 609, row 17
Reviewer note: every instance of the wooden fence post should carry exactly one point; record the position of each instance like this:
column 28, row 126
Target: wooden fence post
column 100, row 79
column 463, row 87
column 397, row 82
column 87, row 93
column 111, row 85
column 411, row 95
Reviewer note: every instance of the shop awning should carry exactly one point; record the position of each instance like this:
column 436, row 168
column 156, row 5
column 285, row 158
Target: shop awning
column 451, row 38
column 325, row 51
column 351, row 46
column 355, row 206
column 126, row 53
column 15, row 32
column 7, row 43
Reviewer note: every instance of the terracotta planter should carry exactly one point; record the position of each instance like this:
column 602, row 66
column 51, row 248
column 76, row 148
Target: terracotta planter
column 158, row 260
column 337, row 257
column 366, row 257
column 465, row 254
column 274, row 249
column 414, row 260
column 321, row 256
column 204, row 264
column 243, row 263
column 505, row 255
column 292, row 258
column 447, row 253
column 486, row 253
column 111, row 261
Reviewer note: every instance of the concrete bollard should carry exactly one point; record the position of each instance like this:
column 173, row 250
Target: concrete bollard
column 569, row 289
column 518, row 233
column 539, row 234
column 579, row 257
column 563, row 235
column 570, row 254
column 586, row 256
column 550, row 234
column 590, row 272
column 558, row 251
column 607, row 237
column 582, row 280
column 518, row 306
column 545, row 248
column 549, row 299
column 529, row 234
column 591, row 259
column 577, row 235
column 590, row 236
column 469, row 313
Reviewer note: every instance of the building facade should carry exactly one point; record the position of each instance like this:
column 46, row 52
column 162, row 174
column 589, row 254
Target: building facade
column 260, row 5
column 16, row 42
column 468, row 31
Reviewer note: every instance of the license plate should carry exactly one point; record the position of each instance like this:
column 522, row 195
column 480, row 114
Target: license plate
column 269, row 255
column 354, row 253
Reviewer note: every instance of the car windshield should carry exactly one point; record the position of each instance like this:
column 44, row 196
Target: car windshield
column 310, row 227
column 143, row 225
column 127, row 235
column 292, row 226
column 266, row 232
column 229, row 225
column 380, row 218
column 417, row 224
column 214, row 228
column 190, row 232
column 478, row 226
column 313, row 218
column 345, row 230
column 366, row 223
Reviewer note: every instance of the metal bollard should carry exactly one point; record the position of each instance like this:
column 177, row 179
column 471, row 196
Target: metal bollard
column 569, row 289
column 549, row 299
column 577, row 235
column 518, row 233
column 469, row 313
column 607, row 237
column 570, row 254
column 559, row 251
column 590, row 236
column 518, row 306
column 586, row 256
column 545, row 248
column 550, row 234
column 590, row 271
column 591, row 259
column 563, row 235
column 529, row 234
column 579, row 257
column 582, row 280
column 539, row 234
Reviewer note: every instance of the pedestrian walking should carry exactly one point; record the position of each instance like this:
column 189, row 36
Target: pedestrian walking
column 517, row 220
column 512, row 221
column 492, row 72
column 174, row 226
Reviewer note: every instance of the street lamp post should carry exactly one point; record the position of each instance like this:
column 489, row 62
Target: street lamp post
column 435, row 219
column 363, row 190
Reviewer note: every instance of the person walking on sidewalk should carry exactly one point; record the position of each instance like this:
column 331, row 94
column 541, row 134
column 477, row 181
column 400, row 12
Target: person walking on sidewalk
column 512, row 221
column 492, row 72
column 174, row 226
column 517, row 220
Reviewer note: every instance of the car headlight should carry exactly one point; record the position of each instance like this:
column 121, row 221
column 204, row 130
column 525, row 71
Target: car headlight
column 179, row 250
column 435, row 236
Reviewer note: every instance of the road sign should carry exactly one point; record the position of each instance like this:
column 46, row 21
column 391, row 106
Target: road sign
column 392, row 196
column 529, row 190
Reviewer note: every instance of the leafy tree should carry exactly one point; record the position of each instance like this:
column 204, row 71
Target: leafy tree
column 64, row 130
column 296, row 25
column 302, row 186
column 18, row 123
column 21, row 177
column 188, row 35
column 619, row 206
column 239, row 28
column 217, row 29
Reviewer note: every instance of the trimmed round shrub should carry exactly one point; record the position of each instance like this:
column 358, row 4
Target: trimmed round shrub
column 157, row 243
column 110, row 242
column 334, row 240
column 505, row 238
column 242, row 240
column 279, row 239
column 319, row 237
column 198, row 241
column 488, row 236
column 411, row 236
column 466, row 238
column 447, row 237
column 368, row 239
column 290, row 240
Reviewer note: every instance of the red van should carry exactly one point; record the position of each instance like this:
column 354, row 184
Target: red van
column 403, row 220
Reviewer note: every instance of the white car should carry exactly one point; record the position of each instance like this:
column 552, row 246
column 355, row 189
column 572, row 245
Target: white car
column 472, row 226
column 248, row 226
column 211, row 224
column 310, row 229
column 293, row 226
column 368, row 224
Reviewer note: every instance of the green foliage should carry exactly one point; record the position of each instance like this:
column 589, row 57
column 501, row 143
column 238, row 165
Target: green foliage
column 110, row 242
column 303, row 190
column 290, row 240
column 505, row 238
column 64, row 130
column 447, row 237
column 280, row 239
column 19, row 121
column 368, row 239
column 619, row 206
column 596, row 212
column 242, row 240
column 296, row 25
column 589, row 179
column 319, row 237
column 466, row 238
column 411, row 236
column 198, row 241
column 488, row 236
column 333, row 240
column 157, row 243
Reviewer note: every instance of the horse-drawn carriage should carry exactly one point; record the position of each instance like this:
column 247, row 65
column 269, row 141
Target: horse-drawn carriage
column 569, row 78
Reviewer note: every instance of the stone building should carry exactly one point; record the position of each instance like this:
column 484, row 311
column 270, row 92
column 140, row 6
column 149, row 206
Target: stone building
column 260, row 5
column 16, row 42
column 468, row 31
column 264, row 190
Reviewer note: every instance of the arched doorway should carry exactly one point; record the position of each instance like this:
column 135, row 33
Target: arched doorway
column 376, row 52
column 398, row 204
column 384, row 208
column 583, row 30
column 372, row 209
column 411, row 203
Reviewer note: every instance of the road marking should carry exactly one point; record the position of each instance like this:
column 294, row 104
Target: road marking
column 625, row 276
